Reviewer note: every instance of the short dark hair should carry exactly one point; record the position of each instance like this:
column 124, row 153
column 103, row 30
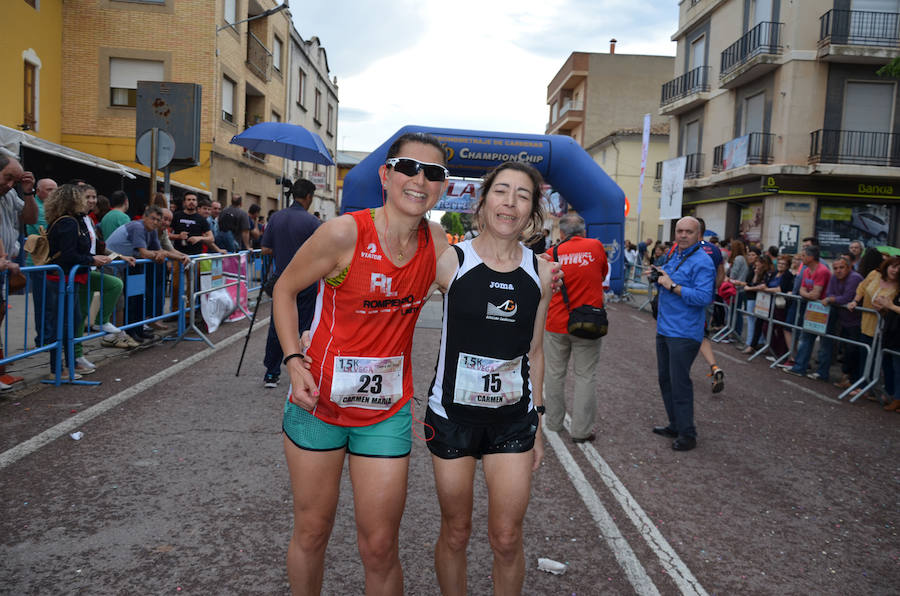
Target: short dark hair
column 702, row 225
column 537, row 181
column 416, row 137
column 189, row 193
column 117, row 198
column 302, row 188
column 254, row 208
column 812, row 240
column 812, row 250
column 204, row 202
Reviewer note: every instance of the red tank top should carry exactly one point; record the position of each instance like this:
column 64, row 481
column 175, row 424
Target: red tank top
column 363, row 328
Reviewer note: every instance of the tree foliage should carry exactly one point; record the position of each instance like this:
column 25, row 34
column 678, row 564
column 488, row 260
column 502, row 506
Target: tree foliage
column 452, row 224
column 891, row 69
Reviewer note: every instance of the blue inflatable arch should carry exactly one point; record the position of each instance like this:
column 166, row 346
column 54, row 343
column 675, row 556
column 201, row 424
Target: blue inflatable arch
column 563, row 163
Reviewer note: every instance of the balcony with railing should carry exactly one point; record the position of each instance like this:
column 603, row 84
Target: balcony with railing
column 858, row 147
column 259, row 58
column 859, row 36
column 753, row 55
column 752, row 149
column 693, row 169
column 685, row 92
column 570, row 115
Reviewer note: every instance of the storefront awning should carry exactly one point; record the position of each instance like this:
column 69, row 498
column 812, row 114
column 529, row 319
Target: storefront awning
column 12, row 140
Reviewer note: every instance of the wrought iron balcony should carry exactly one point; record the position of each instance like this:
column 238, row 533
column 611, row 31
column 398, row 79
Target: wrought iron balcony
column 860, row 28
column 759, row 151
column 694, row 166
column 693, row 81
column 259, row 58
column 693, row 169
column 854, row 147
column 765, row 38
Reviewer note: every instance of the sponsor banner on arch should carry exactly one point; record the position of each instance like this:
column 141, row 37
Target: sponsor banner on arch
column 479, row 153
column 461, row 196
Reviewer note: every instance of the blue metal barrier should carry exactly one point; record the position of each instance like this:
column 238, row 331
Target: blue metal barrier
column 12, row 354
column 135, row 285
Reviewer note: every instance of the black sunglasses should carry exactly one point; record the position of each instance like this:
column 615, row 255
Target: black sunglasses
column 411, row 167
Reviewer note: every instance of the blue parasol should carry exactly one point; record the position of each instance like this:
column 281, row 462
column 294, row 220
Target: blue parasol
column 284, row 139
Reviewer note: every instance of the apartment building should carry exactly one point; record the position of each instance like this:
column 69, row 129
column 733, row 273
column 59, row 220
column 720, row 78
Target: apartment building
column 31, row 58
column 600, row 101
column 312, row 102
column 236, row 50
column 787, row 129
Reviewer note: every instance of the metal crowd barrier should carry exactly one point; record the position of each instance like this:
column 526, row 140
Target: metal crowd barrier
column 145, row 288
column 152, row 300
column 31, row 294
column 220, row 279
column 870, row 370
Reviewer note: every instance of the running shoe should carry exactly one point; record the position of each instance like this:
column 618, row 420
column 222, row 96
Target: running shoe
column 5, row 387
column 791, row 371
column 718, row 379
column 816, row 377
column 84, row 366
column 109, row 328
column 270, row 381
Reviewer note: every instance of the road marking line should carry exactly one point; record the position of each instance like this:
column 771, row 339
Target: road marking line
column 628, row 561
column 637, row 318
column 674, row 566
column 28, row 447
column 815, row 394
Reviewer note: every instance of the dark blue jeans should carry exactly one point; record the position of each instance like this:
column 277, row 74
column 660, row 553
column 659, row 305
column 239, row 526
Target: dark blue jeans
column 850, row 366
column 36, row 278
column 306, row 305
column 674, row 357
column 52, row 299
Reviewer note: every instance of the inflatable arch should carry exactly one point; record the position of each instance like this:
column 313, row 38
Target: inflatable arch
column 563, row 163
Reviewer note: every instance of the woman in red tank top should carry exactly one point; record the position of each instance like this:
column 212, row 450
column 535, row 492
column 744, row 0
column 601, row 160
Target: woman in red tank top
column 363, row 264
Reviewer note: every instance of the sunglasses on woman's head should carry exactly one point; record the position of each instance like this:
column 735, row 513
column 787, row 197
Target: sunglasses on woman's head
column 411, row 167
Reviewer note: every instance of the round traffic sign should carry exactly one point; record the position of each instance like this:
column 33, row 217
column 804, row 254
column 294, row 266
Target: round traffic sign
column 165, row 148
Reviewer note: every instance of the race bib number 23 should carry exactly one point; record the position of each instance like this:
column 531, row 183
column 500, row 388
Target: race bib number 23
column 371, row 383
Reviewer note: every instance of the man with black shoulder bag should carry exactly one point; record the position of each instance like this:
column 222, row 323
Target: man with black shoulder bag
column 576, row 321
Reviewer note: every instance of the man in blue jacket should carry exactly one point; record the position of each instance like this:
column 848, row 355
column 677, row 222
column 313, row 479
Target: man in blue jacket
column 685, row 288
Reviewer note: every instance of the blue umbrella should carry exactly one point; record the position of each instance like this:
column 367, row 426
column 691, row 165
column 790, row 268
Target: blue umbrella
column 284, row 139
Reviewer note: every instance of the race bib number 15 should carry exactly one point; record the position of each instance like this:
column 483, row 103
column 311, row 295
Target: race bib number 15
column 371, row 383
column 487, row 382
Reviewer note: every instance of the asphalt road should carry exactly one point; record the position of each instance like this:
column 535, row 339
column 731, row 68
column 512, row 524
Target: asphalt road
column 178, row 485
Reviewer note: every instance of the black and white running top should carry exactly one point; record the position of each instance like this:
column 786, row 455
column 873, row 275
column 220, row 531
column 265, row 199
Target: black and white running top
column 481, row 375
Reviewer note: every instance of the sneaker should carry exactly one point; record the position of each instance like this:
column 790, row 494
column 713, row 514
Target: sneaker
column 84, row 366
column 718, row 379
column 788, row 364
column 816, row 377
column 770, row 358
column 270, row 381
column 791, row 371
column 64, row 376
column 109, row 328
column 5, row 387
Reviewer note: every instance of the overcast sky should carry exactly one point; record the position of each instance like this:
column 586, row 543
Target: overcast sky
column 471, row 64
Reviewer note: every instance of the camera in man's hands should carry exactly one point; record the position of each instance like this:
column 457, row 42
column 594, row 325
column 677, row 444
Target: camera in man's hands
column 654, row 276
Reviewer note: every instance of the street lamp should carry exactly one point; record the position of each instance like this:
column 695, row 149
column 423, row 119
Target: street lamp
column 265, row 13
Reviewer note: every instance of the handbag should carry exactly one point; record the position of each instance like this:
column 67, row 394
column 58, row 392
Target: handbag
column 586, row 321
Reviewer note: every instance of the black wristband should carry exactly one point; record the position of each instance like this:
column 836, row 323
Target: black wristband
column 297, row 355
column 540, row 409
